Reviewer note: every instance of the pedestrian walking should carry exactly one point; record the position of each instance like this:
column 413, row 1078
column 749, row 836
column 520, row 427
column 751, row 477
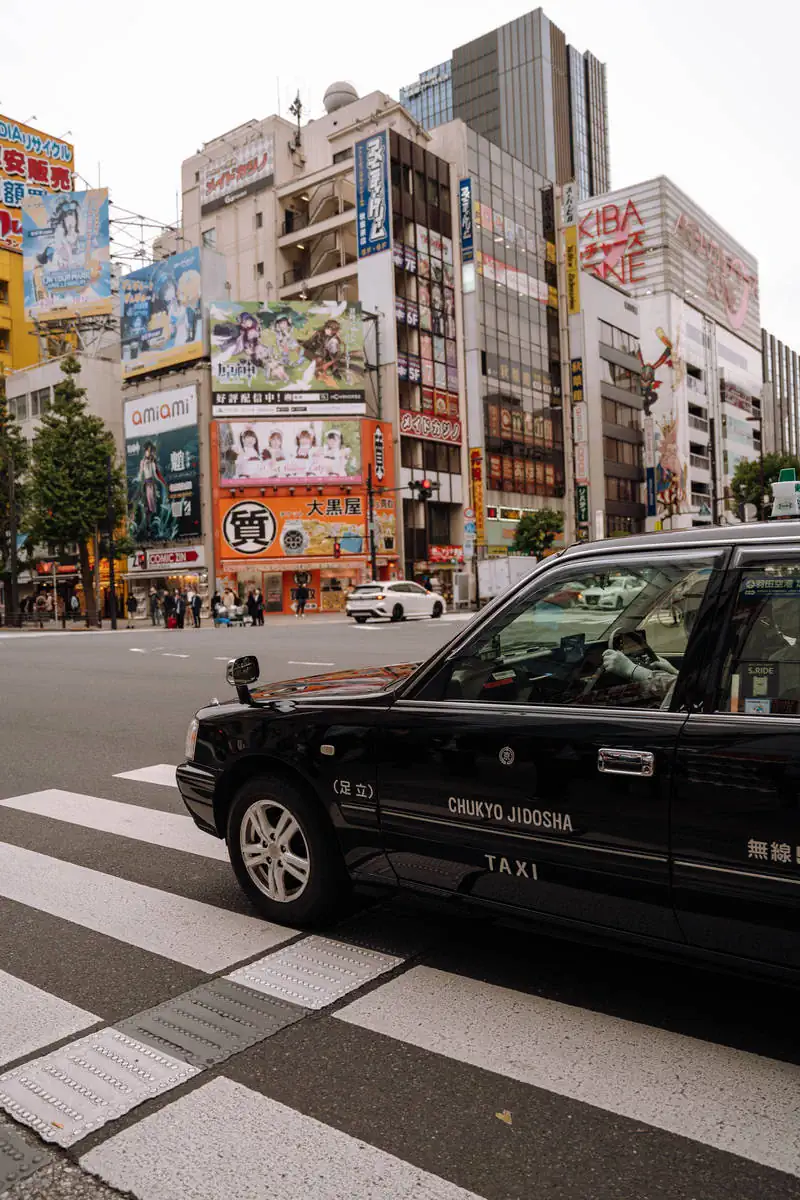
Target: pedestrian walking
column 75, row 606
column 301, row 599
column 259, row 607
column 170, row 620
column 197, row 604
column 251, row 607
column 155, row 606
column 133, row 605
column 180, row 608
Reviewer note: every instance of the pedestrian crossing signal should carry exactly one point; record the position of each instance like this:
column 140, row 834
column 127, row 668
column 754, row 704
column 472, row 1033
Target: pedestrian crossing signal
column 786, row 495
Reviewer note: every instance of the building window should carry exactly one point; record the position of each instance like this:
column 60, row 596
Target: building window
column 197, row 176
column 5, row 341
column 259, row 268
column 19, row 408
column 210, row 237
column 620, row 377
column 627, row 453
column 40, row 402
column 343, row 155
column 3, row 291
column 615, row 413
column 259, row 220
column 618, row 339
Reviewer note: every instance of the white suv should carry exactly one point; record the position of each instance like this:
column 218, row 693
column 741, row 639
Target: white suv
column 396, row 599
column 618, row 593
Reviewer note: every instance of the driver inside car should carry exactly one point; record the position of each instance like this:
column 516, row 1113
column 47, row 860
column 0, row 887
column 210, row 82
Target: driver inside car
column 654, row 681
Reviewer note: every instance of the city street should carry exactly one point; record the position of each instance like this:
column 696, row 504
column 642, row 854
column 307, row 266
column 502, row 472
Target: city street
column 450, row 1058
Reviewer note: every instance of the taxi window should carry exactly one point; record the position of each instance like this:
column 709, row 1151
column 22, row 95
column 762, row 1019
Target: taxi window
column 597, row 638
column 761, row 675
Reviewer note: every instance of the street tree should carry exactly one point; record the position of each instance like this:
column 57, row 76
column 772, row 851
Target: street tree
column 536, row 531
column 71, row 495
column 751, row 480
column 13, row 464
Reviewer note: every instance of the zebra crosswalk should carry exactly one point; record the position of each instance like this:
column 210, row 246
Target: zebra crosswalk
column 176, row 1044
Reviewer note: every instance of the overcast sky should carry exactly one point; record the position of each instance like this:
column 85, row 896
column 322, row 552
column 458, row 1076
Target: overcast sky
column 705, row 91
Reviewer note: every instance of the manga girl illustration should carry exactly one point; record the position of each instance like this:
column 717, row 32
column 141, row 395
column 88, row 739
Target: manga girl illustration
column 69, row 245
column 325, row 350
column 179, row 322
column 244, row 338
column 149, row 479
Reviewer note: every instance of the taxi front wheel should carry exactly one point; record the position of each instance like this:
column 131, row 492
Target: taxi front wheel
column 284, row 852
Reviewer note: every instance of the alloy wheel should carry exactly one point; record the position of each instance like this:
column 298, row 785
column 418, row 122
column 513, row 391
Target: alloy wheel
column 275, row 851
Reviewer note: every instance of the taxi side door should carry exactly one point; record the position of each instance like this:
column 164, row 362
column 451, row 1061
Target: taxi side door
column 736, row 807
column 519, row 773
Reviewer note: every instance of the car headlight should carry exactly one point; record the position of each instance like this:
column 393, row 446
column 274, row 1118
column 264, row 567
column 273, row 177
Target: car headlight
column 191, row 739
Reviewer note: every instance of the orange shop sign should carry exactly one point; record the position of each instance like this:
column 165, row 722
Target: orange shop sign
column 286, row 527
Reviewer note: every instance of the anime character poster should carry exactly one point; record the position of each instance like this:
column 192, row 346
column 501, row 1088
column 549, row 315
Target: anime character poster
column 273, row 351
column 161, row 314
column 267, row 452
column 162, row 466
column 65, row 258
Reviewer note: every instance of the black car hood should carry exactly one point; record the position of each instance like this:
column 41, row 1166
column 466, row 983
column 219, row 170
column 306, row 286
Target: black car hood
column 364, row 681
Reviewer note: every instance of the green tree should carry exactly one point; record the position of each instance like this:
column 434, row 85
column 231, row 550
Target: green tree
column 69, row 492
column 13, row 464
column 536, row 531
column 751, row 480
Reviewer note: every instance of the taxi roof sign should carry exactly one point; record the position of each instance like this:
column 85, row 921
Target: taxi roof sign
column 786, row 495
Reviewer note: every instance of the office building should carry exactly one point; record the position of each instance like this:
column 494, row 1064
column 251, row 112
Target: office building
column 781, row 406
column 700, row 362
column 530, row 93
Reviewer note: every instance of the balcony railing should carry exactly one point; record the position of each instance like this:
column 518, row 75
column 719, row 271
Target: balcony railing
column 294, row 221
column 701, row 498
column 700, row 460
column 698, row 423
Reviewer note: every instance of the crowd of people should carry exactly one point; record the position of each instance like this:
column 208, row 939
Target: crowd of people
column 171, row 608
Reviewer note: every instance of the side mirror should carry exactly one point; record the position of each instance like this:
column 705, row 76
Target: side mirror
column 240, row 673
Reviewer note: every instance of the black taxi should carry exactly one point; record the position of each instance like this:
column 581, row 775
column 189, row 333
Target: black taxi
column 630, row 770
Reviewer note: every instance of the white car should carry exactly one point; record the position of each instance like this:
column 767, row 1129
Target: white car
column 396, row 600
column 618, row 593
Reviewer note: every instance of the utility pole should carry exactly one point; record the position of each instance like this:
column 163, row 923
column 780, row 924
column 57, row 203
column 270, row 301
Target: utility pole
column 112, row 599
column 712, row 445
column 373, row 550
column 12, row 537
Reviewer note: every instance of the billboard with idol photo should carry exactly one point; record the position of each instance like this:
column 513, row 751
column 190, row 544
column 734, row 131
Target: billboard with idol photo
column 265, row 354
column 162, row 465
column 253, row 453
column 161, row 317
column 65, row 258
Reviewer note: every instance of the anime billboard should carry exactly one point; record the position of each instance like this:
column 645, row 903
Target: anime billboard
column 268, row 452
column 162, row 465
column 161, row 314
column 287, row 357
column 65, row 259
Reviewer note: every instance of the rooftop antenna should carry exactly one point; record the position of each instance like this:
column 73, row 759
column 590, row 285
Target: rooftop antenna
column 296, row 109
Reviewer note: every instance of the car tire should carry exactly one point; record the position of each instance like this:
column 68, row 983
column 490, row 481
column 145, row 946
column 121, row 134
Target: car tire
column 397, row 613
column 314, row 841
column 360, row 620
column 437, row 610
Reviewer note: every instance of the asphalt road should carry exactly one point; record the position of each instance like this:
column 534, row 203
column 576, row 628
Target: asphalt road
column 447, row 1057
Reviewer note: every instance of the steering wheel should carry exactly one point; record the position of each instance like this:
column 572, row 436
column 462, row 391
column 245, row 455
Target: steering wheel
column 644, row 657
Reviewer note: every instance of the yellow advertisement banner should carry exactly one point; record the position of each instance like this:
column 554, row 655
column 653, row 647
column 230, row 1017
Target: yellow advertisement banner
column 31, row 162
column 573, row 279
column 476, row 483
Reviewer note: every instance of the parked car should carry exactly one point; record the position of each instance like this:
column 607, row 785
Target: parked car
column 617, row 593
column 395, row 600
column 635, row 778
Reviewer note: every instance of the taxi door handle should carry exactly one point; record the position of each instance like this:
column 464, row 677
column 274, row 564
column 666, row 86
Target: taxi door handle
column 626, row 762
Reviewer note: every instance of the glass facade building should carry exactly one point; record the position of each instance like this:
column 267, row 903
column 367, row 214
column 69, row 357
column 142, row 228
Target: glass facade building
column 781, row 409
column 522, row 87
column 518, row 321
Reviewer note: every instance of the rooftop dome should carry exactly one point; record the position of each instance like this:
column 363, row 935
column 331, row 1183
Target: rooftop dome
column 338, row 95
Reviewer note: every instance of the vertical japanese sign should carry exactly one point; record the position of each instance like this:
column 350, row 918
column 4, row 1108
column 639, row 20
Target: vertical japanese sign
column 31, row 164
column 465, row 216
column 162, row 466
column 650, row 464
column 582, row 504
column 374, row 230
column 476, row 483
column 572, row 269
column 65, row 255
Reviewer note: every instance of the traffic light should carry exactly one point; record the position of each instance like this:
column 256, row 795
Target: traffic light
column 424, row 488
column 337, row 549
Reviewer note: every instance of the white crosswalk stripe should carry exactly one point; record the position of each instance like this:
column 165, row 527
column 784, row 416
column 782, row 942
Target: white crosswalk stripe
column 169, row 1155
column 126, row 820
column 187, row 931
column 681, row 1084
column 669, row 1084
